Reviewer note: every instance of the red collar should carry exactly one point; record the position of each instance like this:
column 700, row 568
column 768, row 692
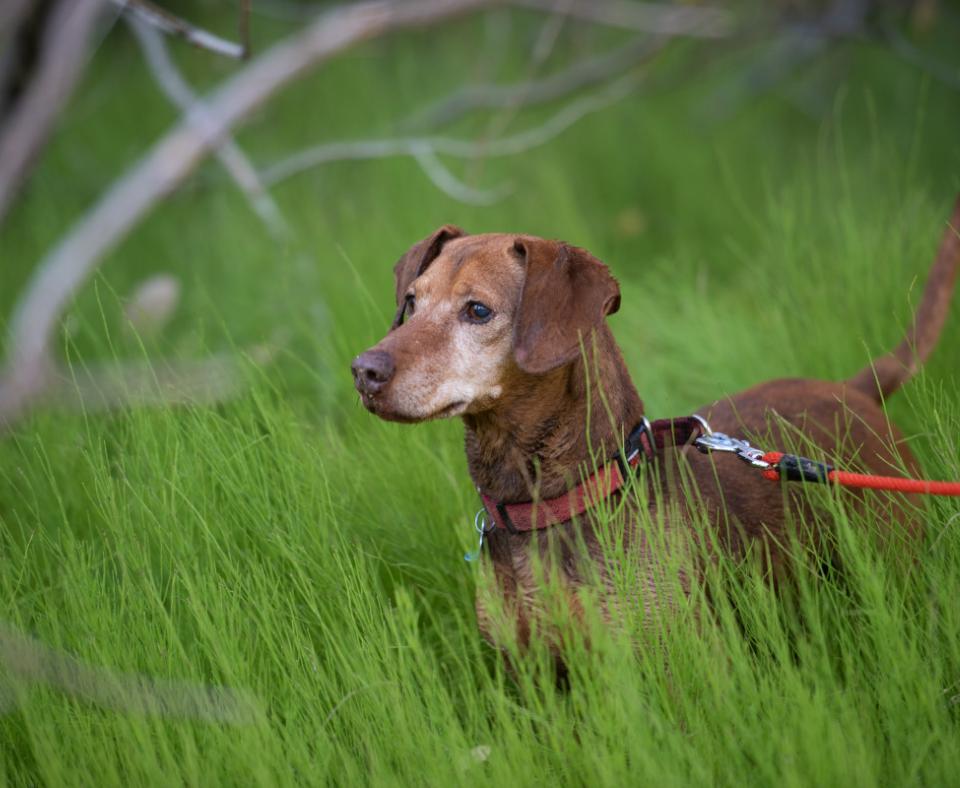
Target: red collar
column 644, row 441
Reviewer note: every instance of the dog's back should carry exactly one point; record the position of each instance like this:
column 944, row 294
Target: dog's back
column 842, row 423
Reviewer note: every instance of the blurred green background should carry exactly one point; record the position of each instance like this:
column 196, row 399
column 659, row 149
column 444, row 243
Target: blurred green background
column 770, row 202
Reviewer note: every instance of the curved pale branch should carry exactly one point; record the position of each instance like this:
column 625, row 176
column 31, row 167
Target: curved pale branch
column 233, row 159
column 445, row 180
column 157, row 18
column 67, row 266
column 581, row 74
column 447, row 146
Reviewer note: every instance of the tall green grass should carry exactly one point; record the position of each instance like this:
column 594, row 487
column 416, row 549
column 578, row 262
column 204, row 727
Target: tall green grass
column 290, row 546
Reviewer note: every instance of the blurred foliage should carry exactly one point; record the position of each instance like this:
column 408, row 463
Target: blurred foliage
column 291, row 544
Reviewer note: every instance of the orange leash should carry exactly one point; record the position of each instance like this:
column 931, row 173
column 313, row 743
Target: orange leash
column 863, row 480
column 776, row 465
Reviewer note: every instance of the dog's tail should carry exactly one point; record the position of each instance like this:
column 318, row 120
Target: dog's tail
column 886, row 374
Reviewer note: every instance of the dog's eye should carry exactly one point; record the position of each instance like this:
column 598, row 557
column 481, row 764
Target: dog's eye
column 478, row 313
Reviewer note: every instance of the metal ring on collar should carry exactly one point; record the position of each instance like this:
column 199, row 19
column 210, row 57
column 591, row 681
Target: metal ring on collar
column 704, row 424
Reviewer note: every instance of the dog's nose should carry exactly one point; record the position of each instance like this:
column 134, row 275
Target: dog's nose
column 372, row 371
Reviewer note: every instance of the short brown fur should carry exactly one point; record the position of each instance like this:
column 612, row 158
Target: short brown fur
column 528, row 382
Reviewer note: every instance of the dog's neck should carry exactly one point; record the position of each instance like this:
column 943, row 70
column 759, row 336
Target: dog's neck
column 540, row 435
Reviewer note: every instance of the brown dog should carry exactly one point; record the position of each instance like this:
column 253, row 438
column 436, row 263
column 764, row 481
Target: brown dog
column 508, row 332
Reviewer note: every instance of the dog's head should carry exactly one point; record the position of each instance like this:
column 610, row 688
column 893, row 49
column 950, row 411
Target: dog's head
column 475, row 312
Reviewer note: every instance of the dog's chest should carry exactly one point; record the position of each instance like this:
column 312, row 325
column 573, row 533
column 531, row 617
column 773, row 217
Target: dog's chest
column 637, row 567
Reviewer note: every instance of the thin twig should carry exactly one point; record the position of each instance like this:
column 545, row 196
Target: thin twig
column 172, row 25
column 445, row 180
column 658, row 18
column 448, row 146
column 542, row 48
column 171, row 159
column 549, row 34
column 579, row 75
column 233, row 159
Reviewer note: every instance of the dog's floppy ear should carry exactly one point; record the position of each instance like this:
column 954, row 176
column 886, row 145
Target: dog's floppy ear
column 420, row 255
column 567, row 293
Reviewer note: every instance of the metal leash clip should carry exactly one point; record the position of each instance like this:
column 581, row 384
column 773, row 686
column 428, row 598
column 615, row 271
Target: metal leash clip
column 482, row 528
column 718, row 441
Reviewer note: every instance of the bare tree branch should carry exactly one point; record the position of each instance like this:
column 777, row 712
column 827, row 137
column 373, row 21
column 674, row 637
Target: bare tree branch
column 581, row 74
column 448, row 146
column 549, row 33
column 66, row 267
column 162, row 20
column 233, row 159
column 445, row 180
column 543, row 46
column 64, row 52
column 658, row 18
